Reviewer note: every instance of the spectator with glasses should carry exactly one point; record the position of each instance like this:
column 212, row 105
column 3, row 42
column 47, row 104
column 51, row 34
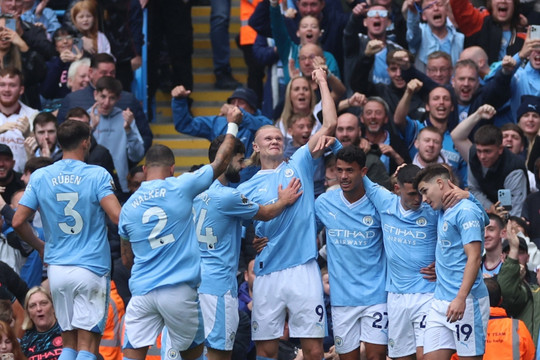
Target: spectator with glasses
column 55, row 86
column 373, row 42
column 436, row 33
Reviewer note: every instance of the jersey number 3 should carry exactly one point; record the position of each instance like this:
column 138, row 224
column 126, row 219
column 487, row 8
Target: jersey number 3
column 72, row 199
column 153, row 239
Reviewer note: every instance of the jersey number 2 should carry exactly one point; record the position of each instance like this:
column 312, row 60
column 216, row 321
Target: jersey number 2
column 153, row 239
column 72, row 199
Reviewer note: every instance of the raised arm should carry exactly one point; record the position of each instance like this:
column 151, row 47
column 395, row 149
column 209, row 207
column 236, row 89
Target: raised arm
column 360, row 80
column 200, row 126
column 402, row 109
column 328, row 109
column 356, row 100
column 514, row 291
column 224, row 153
column 337, row 89
column 469, row 19
column 496, row 92
column 414, row 33
column 280, row 34
column 460, row 134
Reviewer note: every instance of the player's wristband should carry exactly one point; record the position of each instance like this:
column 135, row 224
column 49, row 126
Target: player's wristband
column 232, row 129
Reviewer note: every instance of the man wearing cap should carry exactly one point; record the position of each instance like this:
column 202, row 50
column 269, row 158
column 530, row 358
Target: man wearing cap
column 210, row 127
column 9, row 179
column 528, row 119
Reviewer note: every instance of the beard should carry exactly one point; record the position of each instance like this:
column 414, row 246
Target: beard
column 5, row 179
column 232, row 174
column 9, row 103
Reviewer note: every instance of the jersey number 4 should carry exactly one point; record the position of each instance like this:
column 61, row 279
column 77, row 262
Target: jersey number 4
column 153, row 239
column 205, row 235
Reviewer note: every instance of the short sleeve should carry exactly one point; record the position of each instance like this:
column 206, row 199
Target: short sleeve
column 471, row 225
column 105, row 186
column 196, row 182
column 29, row 198
column 234, row 203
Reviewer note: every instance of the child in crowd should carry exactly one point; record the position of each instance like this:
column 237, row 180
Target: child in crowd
column 84, row 18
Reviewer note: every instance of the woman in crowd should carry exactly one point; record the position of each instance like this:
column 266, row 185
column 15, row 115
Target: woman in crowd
column 9, row 343
column 42, row 339
column 55, row 85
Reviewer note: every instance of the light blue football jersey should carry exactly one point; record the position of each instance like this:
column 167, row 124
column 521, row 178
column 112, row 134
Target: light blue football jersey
column 219, row 213
column 68, row 195
column 356, row 258
column 292, row 235
column 410, row 238
column 158, row 221
column 457, row 226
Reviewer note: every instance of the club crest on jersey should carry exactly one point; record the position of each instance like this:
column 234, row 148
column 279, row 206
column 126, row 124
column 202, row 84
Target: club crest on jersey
column 367, row 220
column 421, row 221
column 172, row 354
column 255, row 326
column 289, row 173
column 338, row 340
column 445, row 226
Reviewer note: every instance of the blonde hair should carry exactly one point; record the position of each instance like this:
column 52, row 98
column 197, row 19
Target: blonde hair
column 91, row 7
column 27, row 322
column 288, row 110
column 255, row 158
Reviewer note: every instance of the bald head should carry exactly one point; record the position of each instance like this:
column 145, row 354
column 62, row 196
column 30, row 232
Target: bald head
column 479, row 56
column 348, row 129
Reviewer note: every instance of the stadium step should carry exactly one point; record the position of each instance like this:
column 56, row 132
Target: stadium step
column 207, row 101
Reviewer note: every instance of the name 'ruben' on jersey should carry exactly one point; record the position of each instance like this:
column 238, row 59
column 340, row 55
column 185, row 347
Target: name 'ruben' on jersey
column 356, row 258
column 68, row 195
column 292, row 235
column 410, row 238
column 158, row 221
column 219, row 213
column 459, row 225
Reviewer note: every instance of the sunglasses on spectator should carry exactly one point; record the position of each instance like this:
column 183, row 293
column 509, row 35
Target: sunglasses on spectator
column 375, row 13
column 62, row 38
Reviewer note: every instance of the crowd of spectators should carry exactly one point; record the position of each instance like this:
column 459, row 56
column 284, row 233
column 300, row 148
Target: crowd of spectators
column 414, row 82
